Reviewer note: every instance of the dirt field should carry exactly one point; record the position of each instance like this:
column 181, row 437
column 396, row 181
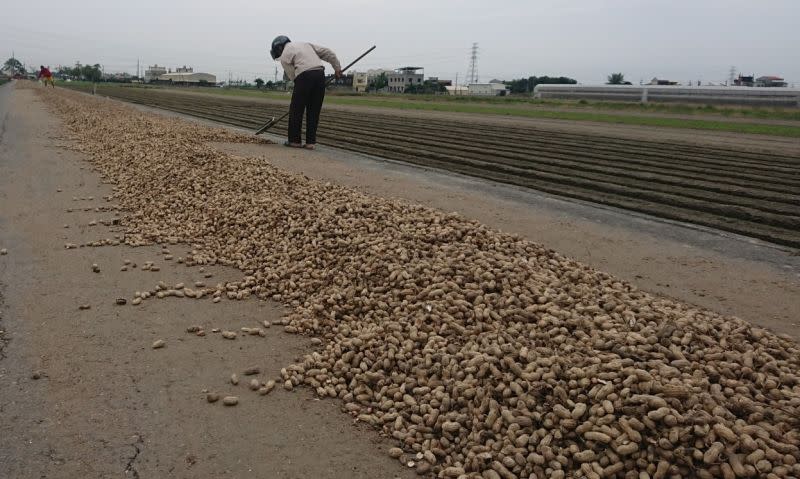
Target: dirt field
column 107, row 404
column 733, row 188
column 640, row 132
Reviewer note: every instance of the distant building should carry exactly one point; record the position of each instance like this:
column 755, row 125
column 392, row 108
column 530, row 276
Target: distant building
column 457, row 90
column 770, row 81
column 376, row 72
column 182, row 76
column 360, row 82
column 119, row 77
column 153, row 72
column 656, row 81
column 487, row 89
column 444, row 83
column 404, row 77
column 744, row 80
column 187, row 78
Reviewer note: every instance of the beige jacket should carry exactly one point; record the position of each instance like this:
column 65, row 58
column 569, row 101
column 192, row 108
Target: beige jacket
column 300, row 57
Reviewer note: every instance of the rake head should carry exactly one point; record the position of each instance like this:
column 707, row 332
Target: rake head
column 267, row 126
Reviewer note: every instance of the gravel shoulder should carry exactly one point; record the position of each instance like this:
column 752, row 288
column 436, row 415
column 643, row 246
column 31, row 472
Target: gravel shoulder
column 108, row 405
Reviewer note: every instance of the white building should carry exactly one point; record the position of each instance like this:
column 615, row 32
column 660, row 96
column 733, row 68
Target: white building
column 487, row 89
column 191, row 78
column 153, row 72
column 360, row 82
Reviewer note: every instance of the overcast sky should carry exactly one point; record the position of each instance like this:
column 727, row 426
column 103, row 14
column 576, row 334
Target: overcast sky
column 585, row 39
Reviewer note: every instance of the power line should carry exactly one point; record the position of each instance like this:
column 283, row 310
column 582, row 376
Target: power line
column 472, row 75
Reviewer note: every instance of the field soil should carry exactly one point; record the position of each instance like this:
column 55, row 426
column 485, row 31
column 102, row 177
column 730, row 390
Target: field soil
column 105, row 403
column 634, row 132
column 750, row 188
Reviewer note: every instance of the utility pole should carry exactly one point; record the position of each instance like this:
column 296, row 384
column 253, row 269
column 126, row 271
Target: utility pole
column 276, row 76
column 456, row 90
column 472, row 76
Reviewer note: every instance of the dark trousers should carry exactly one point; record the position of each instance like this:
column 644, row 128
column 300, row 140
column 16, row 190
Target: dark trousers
column 309, row 91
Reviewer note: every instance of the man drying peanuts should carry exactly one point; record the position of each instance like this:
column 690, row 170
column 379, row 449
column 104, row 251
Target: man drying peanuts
column 302, row 63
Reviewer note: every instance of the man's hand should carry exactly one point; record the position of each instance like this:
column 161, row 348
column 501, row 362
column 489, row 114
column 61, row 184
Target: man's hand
column 338, row 74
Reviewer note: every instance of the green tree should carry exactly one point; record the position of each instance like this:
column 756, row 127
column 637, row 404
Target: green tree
column 380, row 81
column 428, row 88
column 259, row 83
column 270, row 85
column 14, row 65
column 71, row 72
column 616, row 79
column 526, row 85
column 435, row 87
column 92, row 73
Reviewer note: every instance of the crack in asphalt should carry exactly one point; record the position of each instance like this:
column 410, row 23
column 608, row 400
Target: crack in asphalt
column 3, row 123
column 129, row 468
column 3, row 338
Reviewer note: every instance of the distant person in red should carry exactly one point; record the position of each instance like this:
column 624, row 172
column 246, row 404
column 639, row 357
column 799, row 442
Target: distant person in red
column 46, row 76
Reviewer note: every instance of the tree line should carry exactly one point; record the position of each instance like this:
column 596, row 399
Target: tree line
column 526, row 85
column 83, row 72
column 14, row 66
column 91, row 73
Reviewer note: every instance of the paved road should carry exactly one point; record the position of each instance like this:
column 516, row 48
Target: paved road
column 107, row 404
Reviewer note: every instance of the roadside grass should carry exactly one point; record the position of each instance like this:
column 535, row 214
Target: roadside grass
column 612, row 112
column 697, row 124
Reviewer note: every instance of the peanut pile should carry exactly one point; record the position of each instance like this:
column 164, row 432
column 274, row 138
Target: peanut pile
column 483, row 354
